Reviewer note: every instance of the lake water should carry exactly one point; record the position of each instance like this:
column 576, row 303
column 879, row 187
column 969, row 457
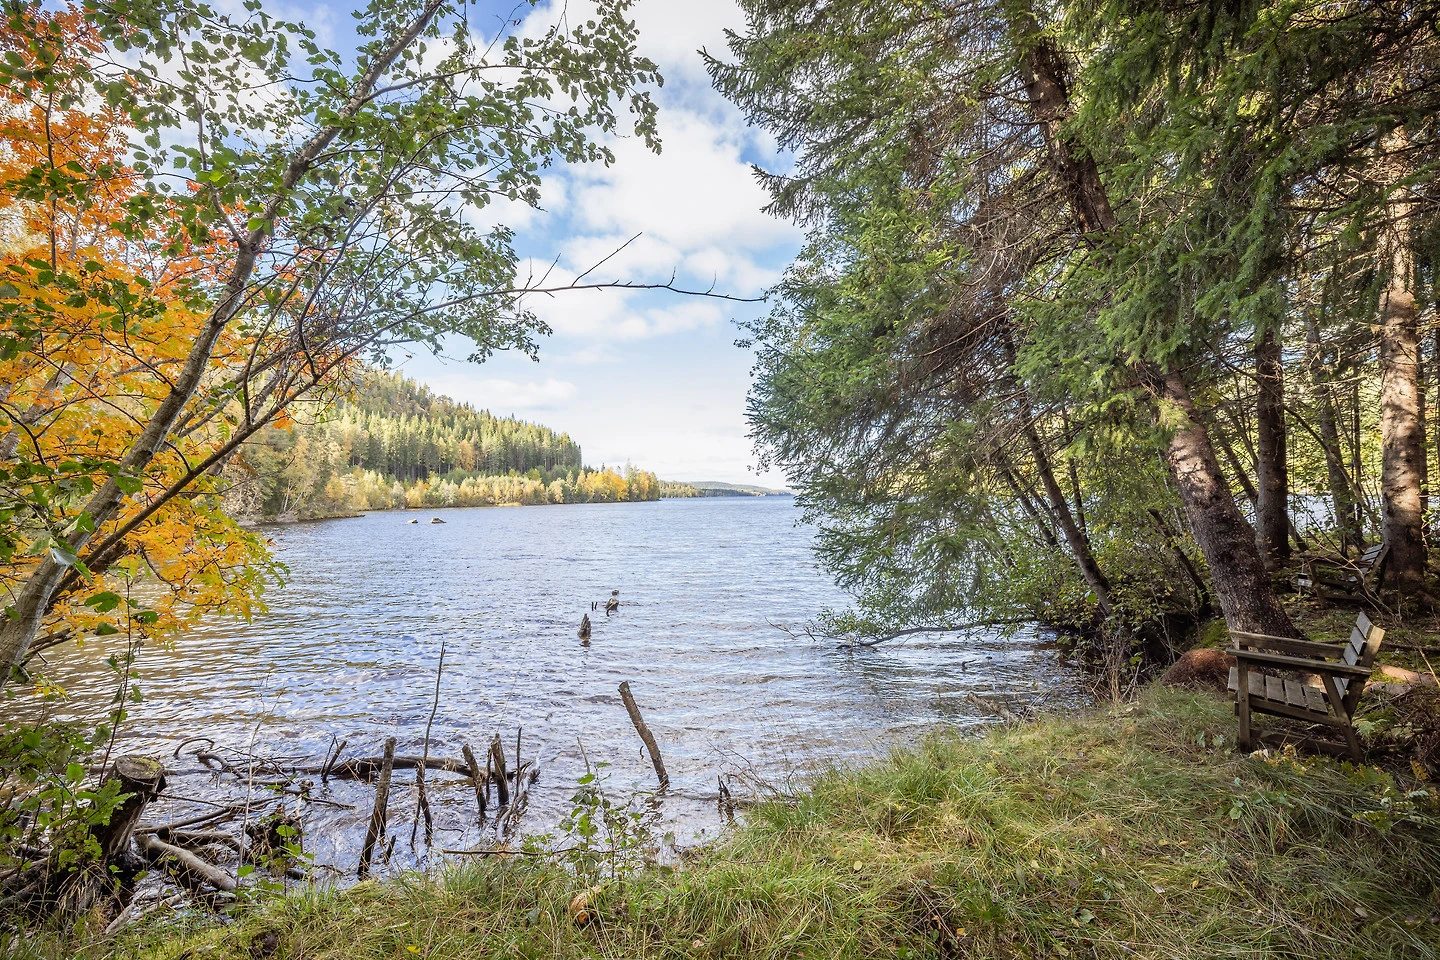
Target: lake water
column 350, row 645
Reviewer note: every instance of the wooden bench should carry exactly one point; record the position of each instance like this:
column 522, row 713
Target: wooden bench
column 1343, row 579
column 1261, row 682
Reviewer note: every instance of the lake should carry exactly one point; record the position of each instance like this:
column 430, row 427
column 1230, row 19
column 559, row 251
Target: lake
column 350, row 645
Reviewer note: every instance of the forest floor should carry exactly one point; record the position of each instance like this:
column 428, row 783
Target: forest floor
column 1131, row 831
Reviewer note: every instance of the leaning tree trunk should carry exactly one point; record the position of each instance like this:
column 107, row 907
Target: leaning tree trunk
column 1402, row 429
column 1226, row 540
column 1272, row 475
column 1075, row 538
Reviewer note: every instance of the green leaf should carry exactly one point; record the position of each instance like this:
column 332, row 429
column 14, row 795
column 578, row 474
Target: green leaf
column 104, row 602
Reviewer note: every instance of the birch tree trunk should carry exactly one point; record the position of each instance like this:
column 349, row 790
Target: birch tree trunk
column 32, row 600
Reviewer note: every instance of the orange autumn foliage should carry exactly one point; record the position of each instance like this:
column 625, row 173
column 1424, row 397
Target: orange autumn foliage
column 93, row 323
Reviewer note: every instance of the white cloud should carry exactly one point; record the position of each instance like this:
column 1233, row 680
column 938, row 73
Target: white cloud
column 591, row 355
column 696, row 192
column 648, row 377
column 505, row 396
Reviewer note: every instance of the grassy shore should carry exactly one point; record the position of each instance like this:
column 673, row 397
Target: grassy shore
column 1130, row 832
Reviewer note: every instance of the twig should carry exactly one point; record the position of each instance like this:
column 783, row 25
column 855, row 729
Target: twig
column 422, row 803
column 330, row 761
column 876, row 641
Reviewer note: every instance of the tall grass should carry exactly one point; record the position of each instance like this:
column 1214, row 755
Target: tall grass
column 1134, row 832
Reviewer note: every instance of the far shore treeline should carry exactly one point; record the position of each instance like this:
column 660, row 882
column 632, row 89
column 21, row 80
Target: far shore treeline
column 391, row 443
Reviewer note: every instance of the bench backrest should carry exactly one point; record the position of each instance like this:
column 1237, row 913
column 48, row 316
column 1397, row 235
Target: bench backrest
column 1364, row 645
column 1372, row 564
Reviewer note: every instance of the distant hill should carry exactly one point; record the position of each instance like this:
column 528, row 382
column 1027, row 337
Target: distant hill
column 718, row 488
column 393, row 443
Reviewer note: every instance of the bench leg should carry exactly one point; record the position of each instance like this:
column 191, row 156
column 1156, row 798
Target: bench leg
column 1242, row 704
column 1353, row 741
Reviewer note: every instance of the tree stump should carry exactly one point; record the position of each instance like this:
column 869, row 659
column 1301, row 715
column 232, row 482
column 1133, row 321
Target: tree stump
column 109, row 876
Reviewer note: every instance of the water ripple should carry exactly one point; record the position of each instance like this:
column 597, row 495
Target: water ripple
column 349, row 647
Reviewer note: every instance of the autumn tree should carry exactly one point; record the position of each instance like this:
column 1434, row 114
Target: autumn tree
column 261, row 214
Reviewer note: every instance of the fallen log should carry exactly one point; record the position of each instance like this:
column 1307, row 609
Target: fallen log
column 184, row 865
column 363, row 768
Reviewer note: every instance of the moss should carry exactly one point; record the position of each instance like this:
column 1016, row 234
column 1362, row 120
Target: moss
column 1133, row 832
column 1213, row 634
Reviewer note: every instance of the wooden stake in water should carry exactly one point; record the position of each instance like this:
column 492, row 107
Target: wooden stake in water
column 497, row 759
column 646, row 736
column 477, row 778
column 376, row 829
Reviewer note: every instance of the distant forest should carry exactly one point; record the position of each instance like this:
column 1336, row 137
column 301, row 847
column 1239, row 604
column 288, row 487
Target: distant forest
column 393, row 443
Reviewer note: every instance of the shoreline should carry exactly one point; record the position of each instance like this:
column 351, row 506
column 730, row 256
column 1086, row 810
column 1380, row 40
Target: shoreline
column 1133, row 830
column 288, row 520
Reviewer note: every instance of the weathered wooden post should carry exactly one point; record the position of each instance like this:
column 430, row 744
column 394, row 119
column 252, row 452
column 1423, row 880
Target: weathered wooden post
column 646, row 736
column 376, row 830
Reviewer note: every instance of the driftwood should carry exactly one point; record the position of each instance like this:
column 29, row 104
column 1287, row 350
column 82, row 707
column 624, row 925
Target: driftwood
column 200, row 819
column 199, row 838
column 137, row 909
column 477, row 778
column 185, row 866
column 363, row 768
column 992, row 707
column 525, row 774
column 646, row 736
column 497, row 763
column 376, row 828
column 330, row 761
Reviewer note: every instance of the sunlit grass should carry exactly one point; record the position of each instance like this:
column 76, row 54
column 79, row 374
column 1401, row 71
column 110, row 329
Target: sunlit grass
column 1135, row 832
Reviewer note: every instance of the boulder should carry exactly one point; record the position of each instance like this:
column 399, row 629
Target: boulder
column 1204, row 668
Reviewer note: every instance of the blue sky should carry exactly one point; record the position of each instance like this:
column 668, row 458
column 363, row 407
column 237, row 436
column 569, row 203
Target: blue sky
column 650, row 378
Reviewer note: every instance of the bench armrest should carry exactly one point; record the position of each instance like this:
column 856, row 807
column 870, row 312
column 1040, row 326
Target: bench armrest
column 1299, row 663
column 1265, row 641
